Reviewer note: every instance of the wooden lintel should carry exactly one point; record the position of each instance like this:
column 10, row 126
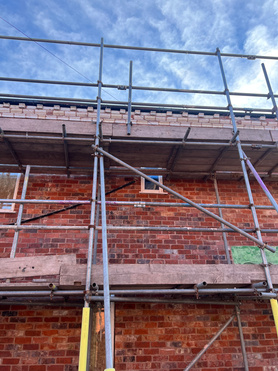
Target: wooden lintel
column 71, row 275
column 34, row 266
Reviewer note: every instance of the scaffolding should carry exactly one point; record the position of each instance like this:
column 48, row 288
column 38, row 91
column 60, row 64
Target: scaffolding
column 265, row 290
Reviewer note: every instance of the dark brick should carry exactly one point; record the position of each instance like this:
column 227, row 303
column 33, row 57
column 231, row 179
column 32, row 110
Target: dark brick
column 9, row 313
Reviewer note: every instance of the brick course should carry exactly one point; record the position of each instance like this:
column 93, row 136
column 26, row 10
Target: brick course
column 147, row 337
column 138, row 117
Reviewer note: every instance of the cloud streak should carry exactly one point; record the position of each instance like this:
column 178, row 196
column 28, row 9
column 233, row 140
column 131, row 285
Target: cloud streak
column 233, row 26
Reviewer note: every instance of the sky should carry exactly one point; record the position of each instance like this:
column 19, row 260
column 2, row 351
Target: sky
column 233, row 26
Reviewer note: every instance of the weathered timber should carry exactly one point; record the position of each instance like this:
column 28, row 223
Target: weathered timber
column 151, row 275
column 197, row 133
column 79, row 127
column 29, row 286
column 71, row 275
column 34, row 266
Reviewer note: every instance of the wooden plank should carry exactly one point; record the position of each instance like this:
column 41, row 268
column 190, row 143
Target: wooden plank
column 255, row 135
column 37, row 125
column 197, row 133
column 34, row 266
column 28, row 286
column 160, row 275
column 274, row 135
column 52, row 126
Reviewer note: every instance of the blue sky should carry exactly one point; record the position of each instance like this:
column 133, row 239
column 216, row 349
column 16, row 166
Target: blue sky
column 235, row 26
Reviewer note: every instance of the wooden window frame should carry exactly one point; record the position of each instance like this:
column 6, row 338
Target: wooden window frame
column 12, row 205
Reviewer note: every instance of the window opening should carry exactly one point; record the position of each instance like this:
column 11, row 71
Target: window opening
column 149, row 187
column 9, row 183
column 97, row 356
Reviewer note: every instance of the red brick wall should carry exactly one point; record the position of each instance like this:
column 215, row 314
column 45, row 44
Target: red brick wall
column 155, row 337
column 147, row 336
column 168, row 337
column 39, row 339
column 138, row 247
column 42, row 242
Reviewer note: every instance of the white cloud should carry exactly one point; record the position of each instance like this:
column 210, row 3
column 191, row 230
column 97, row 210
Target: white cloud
column 232, row 25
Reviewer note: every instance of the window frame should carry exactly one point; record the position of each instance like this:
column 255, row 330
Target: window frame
column 11, row 209
column 157, row 191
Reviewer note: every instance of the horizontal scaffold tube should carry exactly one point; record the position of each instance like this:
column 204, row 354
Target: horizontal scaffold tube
column 160, row 300
column 131, row 141
column 181, row 143
column 123, row 87
column 45, row 227
column 138, row 105
column 42, row 293
column 132, row 203
column 132, row 228
column 182, row 229
column 157, row 291
column 176, row 194
column 44, row 169
column 203, row 291
column 36, row 201
column 139, row 48
column 179, row 106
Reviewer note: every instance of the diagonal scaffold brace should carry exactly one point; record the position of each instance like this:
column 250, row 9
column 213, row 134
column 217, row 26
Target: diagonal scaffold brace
column 244, row 160
column 187, row 200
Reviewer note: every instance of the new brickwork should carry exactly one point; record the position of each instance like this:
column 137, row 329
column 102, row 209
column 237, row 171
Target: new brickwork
column 138, row 117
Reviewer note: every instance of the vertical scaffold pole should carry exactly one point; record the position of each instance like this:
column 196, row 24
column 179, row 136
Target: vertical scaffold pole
column 96, row 231
column 270, row 91
column 84, row 353
column 20, row 211
column 245, row 174
column 226, row 246
column 107, row 313
column 273, row 302
column 129, row 122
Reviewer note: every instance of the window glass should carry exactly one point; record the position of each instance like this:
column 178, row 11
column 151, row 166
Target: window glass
column 149, row 187
column 8, row 189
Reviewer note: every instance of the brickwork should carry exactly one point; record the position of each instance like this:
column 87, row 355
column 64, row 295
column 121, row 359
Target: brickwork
column 168, row 337
column 138, row 117
column 156, row 247
column 35, row 242
column 156, row 337
column 39, row 339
